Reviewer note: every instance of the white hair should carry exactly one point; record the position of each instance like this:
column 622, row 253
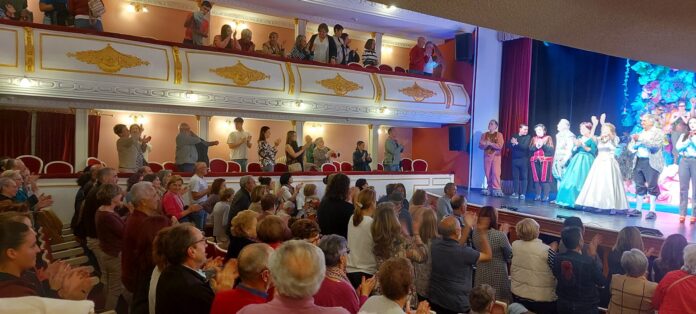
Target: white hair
column 297, row 268
column 142, row 190
column 634, row 263
column 690, row 259
column 244, row 180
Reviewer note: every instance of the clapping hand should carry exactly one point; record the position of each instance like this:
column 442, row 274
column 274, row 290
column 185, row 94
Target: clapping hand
column 76, row 285
column 423, row 308
column 366, row 286
column 594, row 120
column 276, row 142
column 554, row 246
column 514, row 141
column 224, row 279
column 195, row 208
column 592, row 248
column 602, row 118
column 470, row 219
column 635, row 137
column 505, row 228
column 213, row 263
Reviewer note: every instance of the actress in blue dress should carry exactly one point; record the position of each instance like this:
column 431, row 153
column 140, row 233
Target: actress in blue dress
column 578, row 167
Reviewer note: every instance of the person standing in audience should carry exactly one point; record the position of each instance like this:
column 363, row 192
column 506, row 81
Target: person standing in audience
column 453, row 262
column 322, row 46
column 428, row 233
column 255, row 280
column 309, row 163
column 85, row 18
column 55, row 12
column 239, row 142
column 164, row 175
column 173, row 201
column 519, row 153
column 202, row 150
column 417, row 57
column 198, row 25
column 299, row 50
column 361, row 158
column 227, row 39
column 297, row 270
column 686, row 148
column 632, row 292
column 532, row 282
column 243, row 232
column 341, row 48
column 675, row 292
column 294, row 154
column 335, row 210
column 186, row 153
column 405, row 219
column 221, row 211
column 110, row 234
column 362, row 184
column 245, row 41
column 242, row 199
column 200, row 190
column 273, row 47
column 322, row 153
column 353, row 56
column 130, row 146
column 444, row 203
column 433, row 59
column 256, row 194
column 267, row 153
column 671, row 257
column 391, row 240
column 288, row 192
column 418, row 206
column 392, row 152
column 369, row 56
column 86, row 181
column 495, row 271
column 361, row 262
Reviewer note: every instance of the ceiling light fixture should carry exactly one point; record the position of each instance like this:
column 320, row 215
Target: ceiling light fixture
column 191, row 96
column 136, row 7
column 25, row 82
column 384, row 110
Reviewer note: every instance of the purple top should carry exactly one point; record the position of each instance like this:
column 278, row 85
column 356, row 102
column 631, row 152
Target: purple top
column 283, row 304
column 339, row 293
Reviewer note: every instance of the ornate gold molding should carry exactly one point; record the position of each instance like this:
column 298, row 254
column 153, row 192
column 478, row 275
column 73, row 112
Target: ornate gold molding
column 28, row 49
column 378, row 88
column 448, row 94
column 177, row 65
column 417, row 92
column 339, row 85
column 108, row 59
column 291, row 78
column 240, row 74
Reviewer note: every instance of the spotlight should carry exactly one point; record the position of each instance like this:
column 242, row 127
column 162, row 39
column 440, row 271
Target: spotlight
column 25, row 82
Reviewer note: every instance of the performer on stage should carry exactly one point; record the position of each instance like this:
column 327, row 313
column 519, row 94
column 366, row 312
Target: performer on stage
column 492, row 143
column 603, row 189
column 678, row 120
column 519, row 149
column 647, row 163
column 542, row 158
column 565, row 141
column 579, row 166
column 686, row 146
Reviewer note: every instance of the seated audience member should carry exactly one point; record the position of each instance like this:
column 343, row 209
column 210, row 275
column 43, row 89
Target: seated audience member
column 428, row 232
column 85, row 18
column 164, row 175
column 674, row 293
column 322, row 46
column 273, row 231
column 220, row 212
column 110, row 234
column 243, row 230
column 182, row 286
column 353, row 55
column 588, row 249
column 255, row 281
column 628, row 238
column 361, row 184
column 216, row 190
column 156, row 182
column 297, row 271
column 395, row 280
column 198, row 25
column 242, row 199
column 173, row 202
column 577, row 276
column 417, row 57
column 532, row 281
column 299, row 50
column 306, row 229
column 336, row 289
column 444, row 203
column 269, row 206
column 369, row 56
column 632, row 292
column 18, row 251
column 481, row 299
column 289, row 193
column 55, row 12
column 453, row 262
column 256, row 195
column 227, row 38
column 334, row 209
column 311, row 201
column 245, row 42
column 489, row 273
column 391, row 239
column 22, row 193
column 671, row 257
column 273, row 47
column 361, row 262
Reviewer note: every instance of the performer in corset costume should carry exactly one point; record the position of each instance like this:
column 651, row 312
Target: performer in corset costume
column 647, row 163
column 519, row 151
column 686, row 147
column 565, row 141
column 541, row 161
column 492, row 144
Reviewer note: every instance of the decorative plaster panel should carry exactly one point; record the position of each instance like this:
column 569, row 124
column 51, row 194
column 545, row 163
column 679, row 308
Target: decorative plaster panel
column 9, row 50
column 412, row 90
column 210, row 68
column 315, row 80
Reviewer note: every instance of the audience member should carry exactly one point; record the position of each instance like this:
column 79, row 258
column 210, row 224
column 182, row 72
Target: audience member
column 361, row 263
column 24, row 192
column 273, row 231
column 392, row 152
column 156, row 182
column 267, row 153
column 310, row 202
column 361, row 184
column 220, row 212
column 577, row 276
column 245, row 42
column 199, row 193
column 336, row 289
column 418, row 206
column 632, row 292
column 130, row 146
column 55, row 12
column 335, row 210
column 85, row 182
column 433, row 59
column 481, row 299
column 405, row 219
column 306, row 229
column 242, row 199
column 299, row 50
column 399, row 187
column 361, row 158
column 269, row 206
column 289, row 193
column 309, row 164
column 293, row 153
column 370, row 54
column 341, row 48
column 110, row 227
column 243, row 230
column 202, row 150
column 256, row 194
column 13, row 8
column 173, row 202
column 227, row 39
column 444, row 203
column 628, row 238
column 352, row 55
column 186, row 140
column 671, row 257
column 255, row 280
column 495, row 272
column 273, row 47
column 322, row 154
column 391, row 240
column 198, row 25
column 164, row 175
column 297, row 271
column 323, row 47
column 427, row 220
column 674, row 293
column 239, row 141
column 417, row 57
column 588, row 249
column 395, row 279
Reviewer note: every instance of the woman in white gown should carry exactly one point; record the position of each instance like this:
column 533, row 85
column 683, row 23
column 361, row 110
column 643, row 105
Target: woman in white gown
column 603, row 190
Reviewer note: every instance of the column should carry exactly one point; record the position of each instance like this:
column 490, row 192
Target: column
column 300, row 27
column 203, row 122
column 373, row 145
column 81, row 138
column 378, row 45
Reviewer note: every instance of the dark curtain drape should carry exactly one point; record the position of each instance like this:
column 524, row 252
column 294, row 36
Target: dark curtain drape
column 55, row 136
column 514, row 91
column 93, row 136
column 15, row 133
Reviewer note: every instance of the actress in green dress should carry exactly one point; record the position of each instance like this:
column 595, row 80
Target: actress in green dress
column 578, row 167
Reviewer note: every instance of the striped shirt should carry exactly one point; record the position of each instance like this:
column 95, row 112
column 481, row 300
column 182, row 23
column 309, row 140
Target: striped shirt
column 369, row 58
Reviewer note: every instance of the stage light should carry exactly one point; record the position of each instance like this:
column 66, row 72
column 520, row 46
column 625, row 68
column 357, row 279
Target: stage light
column 25, row 82
column 130, row 8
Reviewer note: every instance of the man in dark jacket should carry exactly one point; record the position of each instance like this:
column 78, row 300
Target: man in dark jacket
column 519, row 149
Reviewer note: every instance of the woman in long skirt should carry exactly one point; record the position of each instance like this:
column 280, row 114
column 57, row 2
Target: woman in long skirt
column 579, row 166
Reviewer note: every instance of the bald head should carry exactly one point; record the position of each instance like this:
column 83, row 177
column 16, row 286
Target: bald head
column 450, row 228
column 184, row 127
column 253, row 260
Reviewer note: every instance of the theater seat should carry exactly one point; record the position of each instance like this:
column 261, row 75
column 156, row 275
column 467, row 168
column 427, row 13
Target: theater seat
column 33, row 163
column 385, row 67
column 327, row 167
column 218, row 165
column 406, row 164
column 280, row 167
column 337, row 165
column 168, row 165
column 254, row 167
column 155, row 166
column 420, row 165
column 94, row 161
column 346, row 166
column 380, row 167
column 233, row 166
column 54, row 167
column 399, row 69
column 355, row 65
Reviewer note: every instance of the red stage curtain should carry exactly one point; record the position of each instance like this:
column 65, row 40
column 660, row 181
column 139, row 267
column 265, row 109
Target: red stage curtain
column 55, row 136
column 15, row 133
column 514, row 91
column 93, row 136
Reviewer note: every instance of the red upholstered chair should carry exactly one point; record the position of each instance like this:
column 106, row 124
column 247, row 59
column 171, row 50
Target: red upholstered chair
column 94, row 161
column 58, row 167
column 218, row 165
column 155, row 166
column 385, row 67
column 406, row 164
column 33, row 163
column 327, row 167
column 280, row 167
column 420, row 165
column 372, row 67
column 212, row 250
column 337, row 165
column 399, row 69
column 168, row 165
column 380, row 167
column 355, row 65
column 254, row 167
column 233, row 166
column 346, row 166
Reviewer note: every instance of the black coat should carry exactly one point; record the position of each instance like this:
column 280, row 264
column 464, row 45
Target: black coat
column 182, row 290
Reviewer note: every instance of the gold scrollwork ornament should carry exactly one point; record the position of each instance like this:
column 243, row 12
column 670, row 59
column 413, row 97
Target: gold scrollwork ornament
column 108, row 59
column 240, row 74
column 339, row 85
column 417, row 92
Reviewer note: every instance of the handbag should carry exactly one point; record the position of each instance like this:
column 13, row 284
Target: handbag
column 296, row 167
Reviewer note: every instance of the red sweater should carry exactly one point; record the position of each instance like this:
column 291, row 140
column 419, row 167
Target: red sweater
column 680, row 297
column 78, row 7
column 232, row 301
column 417, row 58
column 333, row 293
column 136, row 256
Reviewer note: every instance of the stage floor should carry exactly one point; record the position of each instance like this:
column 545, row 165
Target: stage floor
column 667, row 223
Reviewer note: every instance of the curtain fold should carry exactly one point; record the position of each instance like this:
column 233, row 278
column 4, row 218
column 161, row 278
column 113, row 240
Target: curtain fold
column 514, row 91
column 15, row 133
column 93, row 136
column 55, row 136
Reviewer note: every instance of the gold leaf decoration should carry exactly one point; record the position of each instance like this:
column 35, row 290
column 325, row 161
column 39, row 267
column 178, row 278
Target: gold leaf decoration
column 418, row 93
column 108, row 59
column 339, row 85
column 240, row 74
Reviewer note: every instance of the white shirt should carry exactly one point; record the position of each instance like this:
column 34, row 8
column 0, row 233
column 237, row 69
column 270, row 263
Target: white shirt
column 241, row 151
column 321, row 50
column 380, row 304
column 152, row 293
column 221, row 212
column 430, row 65
column 198, row 184
column 360, row 243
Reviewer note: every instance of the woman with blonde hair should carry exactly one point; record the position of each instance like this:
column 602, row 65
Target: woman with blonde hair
column 390, row 239
column 256, row 194
column 361, row 261
column 243, row 229
column 299, row 50
column 245, row 42
column 427, row 232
